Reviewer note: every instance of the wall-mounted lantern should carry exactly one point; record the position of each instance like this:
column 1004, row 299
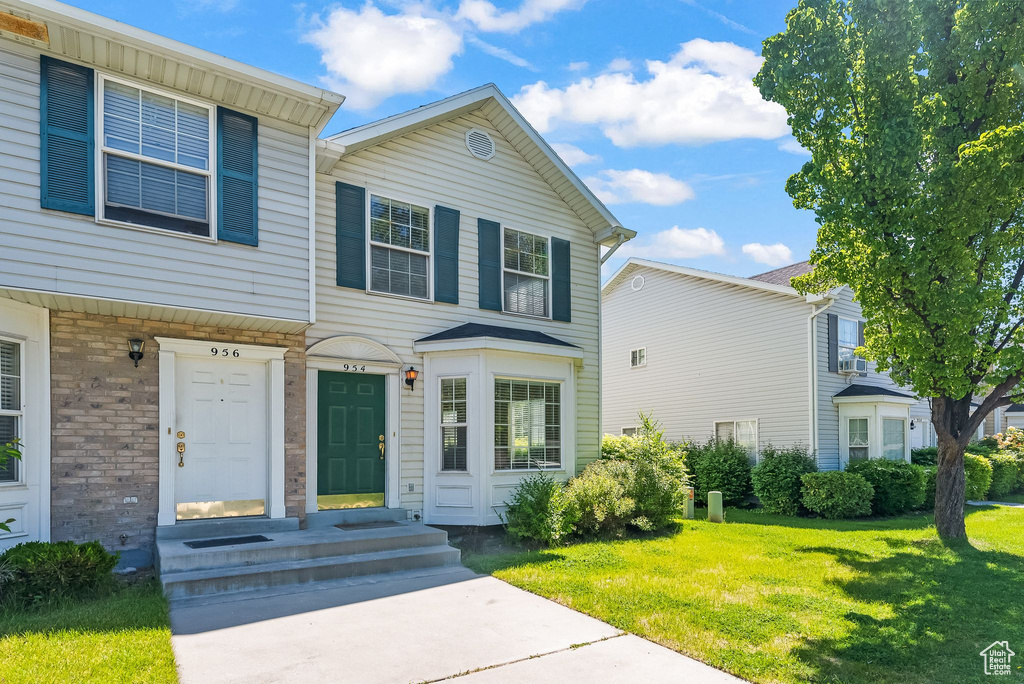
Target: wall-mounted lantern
column 135, row 347
column 410, row 376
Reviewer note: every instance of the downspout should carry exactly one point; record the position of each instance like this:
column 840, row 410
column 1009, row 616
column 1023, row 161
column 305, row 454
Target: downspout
column 618, row 243
column 812, row 374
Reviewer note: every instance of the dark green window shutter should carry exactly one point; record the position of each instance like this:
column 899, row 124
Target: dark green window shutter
column 237, row 182
column 490, row 264
column 350, row 223
column 860, row 341
column 66, row 137
column 561, row 302
column 446, row 255
column 833, row 343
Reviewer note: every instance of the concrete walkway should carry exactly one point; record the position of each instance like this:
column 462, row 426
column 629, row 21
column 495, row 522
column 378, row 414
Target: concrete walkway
column 1006, row 504
column 450, row 624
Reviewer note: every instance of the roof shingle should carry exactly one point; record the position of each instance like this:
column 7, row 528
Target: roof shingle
column 782, row 276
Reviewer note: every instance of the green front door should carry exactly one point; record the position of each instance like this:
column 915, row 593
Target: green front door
column 350, row 440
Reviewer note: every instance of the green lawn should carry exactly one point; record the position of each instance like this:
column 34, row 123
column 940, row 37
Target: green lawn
column 124, row 637
column 779, row 599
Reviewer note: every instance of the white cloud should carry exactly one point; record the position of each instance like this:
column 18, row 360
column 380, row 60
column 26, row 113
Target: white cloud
column 793, row 147
column 574, row 156
column 370, row 55
column 637, row 185
column 578, row 66
column 486, row 17
column 499, row 52
column 620, row 64
column 703, row 93
column 677, row 243
column 770, row 255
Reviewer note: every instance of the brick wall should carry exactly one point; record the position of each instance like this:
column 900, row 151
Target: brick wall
column 105, row 421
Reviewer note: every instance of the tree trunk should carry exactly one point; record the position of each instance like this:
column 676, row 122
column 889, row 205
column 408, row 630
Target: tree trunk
column 950, row 418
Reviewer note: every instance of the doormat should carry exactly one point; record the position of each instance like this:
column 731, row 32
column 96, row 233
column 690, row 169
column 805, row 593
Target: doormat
column 368, row 525
column 226, row 541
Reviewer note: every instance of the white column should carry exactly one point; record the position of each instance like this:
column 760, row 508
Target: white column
column 276, row 435
column 166, row 513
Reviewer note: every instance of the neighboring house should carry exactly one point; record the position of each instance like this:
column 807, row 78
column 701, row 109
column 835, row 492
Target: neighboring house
column 750, row 359
column 208, row 312
column 453, row 240
column 155, row 192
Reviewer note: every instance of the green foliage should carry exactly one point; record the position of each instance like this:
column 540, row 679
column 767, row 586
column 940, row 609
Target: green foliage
column 719, row 465
column 536, row 510
column 48, row 571
column 929, row 487
column 836, row 494
column 912, row 113
column 981, row 448
column 979, row 476
column 9, row 451
column 899, row 486
column 1005, row 474
column 649, row 445
column 596, row 501
column 1012, row 441
column 776, row 479
column 925, row 456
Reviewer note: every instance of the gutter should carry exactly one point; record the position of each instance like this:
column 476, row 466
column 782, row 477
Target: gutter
column 812, row 370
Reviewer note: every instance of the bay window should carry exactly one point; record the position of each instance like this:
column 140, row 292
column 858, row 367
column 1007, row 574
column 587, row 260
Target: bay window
column 859, row 441
column 527, row 425
column 454, row 425
column 526, row 274
column 399, row 248
column 894, row 439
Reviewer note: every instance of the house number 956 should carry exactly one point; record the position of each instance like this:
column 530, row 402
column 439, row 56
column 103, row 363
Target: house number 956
column 224, row 351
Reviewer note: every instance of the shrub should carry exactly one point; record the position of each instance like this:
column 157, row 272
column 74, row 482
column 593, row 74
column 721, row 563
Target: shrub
column 979, row 476
column 596, row 499
column 835, row 494
column 45, row 571
column 722, row 466
column 926, row 456
column 648, row 444
column 1012, row 440
column 1005, row 474
column 535, row 510
column 929, row 487
column 981, row 448
column 899, row 486
column 776, row 479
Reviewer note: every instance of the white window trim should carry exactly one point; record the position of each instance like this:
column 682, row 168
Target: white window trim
column 370, row 243
column 441, row 425
column 19, row 414
column 906, row 436
column 100, row 169
column 546, row 278
column 637, row 351
column 839, row 343
column 875, row 412
column 757, row 432
column 622, row 432
column 870, row 441
column 561, row 426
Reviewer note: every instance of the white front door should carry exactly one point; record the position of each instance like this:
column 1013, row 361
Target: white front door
column 220, row 437
column 24, row 416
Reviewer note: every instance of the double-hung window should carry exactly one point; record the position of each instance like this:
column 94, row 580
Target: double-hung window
column 859, row 443
column 894, row 439
column 454, row 425
column 849, row 338
column 742, row 432
column 399, row 248
column 526, row 274
column 638, row 357
column 11, row 415
column 527, row 425
column 156, row 159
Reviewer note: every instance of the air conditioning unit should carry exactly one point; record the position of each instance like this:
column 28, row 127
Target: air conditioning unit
column 854, row 365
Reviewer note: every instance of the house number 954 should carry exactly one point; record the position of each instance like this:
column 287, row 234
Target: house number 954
column 224, row 351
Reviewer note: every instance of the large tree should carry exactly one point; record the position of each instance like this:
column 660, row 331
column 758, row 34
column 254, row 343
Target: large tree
column 912, row 111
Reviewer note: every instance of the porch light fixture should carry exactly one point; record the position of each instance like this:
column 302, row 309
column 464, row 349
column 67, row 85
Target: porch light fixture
column 410, row 376
column 135, row 347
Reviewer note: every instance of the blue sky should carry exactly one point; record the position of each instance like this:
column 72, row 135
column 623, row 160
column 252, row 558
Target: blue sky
column 648, row 100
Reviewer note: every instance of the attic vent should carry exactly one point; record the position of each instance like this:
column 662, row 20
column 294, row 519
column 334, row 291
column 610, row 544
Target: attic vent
column 480, row 144
column 637, row 283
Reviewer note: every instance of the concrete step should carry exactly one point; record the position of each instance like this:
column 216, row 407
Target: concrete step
column 291, row 572
column 297, row 545
column 351, row 516
column 225, row 527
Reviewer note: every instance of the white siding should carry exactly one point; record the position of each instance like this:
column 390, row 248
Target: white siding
column 715, row 351
column 830, row 384
column 432, row 166
column 65, row 253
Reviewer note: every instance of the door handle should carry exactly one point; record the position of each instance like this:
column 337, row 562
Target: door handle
column 381, row 446
column 181, row 454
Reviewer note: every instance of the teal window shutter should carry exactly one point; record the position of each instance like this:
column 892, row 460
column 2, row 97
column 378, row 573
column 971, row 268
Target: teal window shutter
column 490, row 264
column 350, row 223
column 561, row 281
column 237, row 181
column 66, row 137
column 446, row 255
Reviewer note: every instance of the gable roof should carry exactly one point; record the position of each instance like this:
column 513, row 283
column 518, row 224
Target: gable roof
column 510, row 123
column 782, row 276
column 81, row 36
column 634, row 263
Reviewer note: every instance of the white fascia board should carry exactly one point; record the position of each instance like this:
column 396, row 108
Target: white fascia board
column 873, row 399
column 704, row 275
column 498, row 344
column 62, row 14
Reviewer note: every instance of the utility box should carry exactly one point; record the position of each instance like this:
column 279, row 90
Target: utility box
column 716, row 513
column 689, row 503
